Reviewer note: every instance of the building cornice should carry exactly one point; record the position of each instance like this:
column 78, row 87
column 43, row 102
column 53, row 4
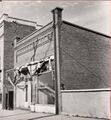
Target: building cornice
column 86, row 29
column 33, row 35
column 18, row 20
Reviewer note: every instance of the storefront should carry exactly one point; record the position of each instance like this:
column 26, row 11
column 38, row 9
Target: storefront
column 34, row 69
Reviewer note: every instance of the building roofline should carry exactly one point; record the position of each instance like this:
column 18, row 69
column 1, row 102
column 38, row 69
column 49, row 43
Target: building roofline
column 66, row 22
column 22, row 19
column 5, row 17
column 84, row 28
column 19, row 42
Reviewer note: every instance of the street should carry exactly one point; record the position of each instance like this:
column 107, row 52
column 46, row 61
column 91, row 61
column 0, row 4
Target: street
column 27, row 115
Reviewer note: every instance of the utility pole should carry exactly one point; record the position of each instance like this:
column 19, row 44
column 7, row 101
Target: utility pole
column 57, row 19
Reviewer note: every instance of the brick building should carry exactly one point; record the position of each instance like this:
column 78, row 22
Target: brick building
column 10, row 28
column 79, row 76
column 36, row 47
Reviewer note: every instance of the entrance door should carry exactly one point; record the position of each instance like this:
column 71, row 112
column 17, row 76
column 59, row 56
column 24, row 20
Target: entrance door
column 6, row 101
column 10, row 99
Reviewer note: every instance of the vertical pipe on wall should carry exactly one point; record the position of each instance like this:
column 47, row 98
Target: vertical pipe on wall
column 57, row 20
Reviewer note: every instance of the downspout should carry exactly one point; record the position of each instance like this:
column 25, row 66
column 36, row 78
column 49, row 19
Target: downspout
column 57, row 22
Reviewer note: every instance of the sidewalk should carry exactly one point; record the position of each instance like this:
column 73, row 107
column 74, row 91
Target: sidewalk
column 27, row 115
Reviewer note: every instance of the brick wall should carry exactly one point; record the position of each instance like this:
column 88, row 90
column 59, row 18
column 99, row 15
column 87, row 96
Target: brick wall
column 84, row 58
column 12, row 30
column 45, row 47
column 23, row 54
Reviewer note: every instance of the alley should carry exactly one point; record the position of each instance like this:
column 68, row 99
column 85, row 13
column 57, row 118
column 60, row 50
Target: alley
column 27, row 115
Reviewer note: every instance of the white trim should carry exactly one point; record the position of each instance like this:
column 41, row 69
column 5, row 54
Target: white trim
column 21, row 21
column 86, row 90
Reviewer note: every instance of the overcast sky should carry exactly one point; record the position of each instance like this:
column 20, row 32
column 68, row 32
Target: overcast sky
column 94, row 15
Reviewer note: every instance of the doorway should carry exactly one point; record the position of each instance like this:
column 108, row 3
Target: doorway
column 10, row 100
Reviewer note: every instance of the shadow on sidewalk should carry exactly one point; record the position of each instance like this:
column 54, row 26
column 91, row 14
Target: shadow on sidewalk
column 42, row 117
column 13, row 115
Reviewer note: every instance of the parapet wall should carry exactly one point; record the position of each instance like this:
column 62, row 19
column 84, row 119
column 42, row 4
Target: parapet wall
column 87, row 103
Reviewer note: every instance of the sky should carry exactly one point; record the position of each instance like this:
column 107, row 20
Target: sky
column 94, row 15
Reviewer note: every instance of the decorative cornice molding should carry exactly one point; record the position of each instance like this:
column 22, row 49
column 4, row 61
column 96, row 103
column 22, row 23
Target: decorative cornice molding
column 38, row 33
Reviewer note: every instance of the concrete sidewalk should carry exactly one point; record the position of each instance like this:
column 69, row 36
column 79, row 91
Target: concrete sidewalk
column 27, row 115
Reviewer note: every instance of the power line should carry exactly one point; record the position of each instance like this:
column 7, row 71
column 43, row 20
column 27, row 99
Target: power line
column 48, row 46
column 35, row 44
